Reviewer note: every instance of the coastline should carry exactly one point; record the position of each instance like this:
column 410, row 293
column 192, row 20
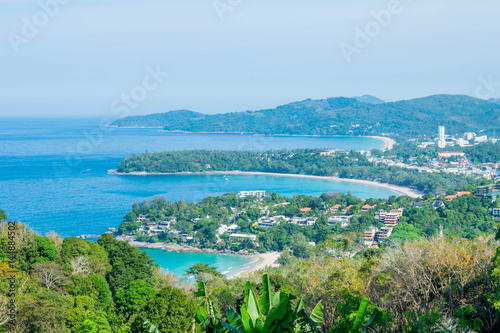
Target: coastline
column 264, row 259
column 399, row 189
column 388, row 142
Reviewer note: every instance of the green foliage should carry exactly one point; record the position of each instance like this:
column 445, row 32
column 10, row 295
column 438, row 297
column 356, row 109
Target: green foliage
column 128, row 263
column 272, row 312
column 73, row 247
column 131, row 298
column 170, row 310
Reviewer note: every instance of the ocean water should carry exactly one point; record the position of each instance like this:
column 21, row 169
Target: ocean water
column 53, row 173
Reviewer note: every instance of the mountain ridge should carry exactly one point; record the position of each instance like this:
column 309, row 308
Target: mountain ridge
column 339, row 116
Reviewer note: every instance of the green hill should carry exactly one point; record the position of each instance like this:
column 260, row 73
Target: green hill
column 158, row 119
column 340, row 116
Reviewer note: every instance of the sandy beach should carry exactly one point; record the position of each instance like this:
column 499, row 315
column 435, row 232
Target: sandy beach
column 265, row 259
column 389, row 143
column 400, row 189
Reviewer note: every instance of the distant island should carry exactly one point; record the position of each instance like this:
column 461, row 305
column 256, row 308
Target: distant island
column 305, row 162
column 359, row 116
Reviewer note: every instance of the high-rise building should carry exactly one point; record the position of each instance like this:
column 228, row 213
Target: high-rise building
column 441, row 139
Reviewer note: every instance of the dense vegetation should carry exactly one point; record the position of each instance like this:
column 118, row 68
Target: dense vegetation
column 483, row 153
column 341, row 116
column 438, row 285
column 352, row 165
column 175, row 118
column 467, row 216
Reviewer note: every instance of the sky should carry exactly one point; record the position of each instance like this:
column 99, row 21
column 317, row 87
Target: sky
column 117, row 58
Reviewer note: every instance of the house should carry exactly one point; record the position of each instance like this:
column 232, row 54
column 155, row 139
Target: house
column 496, row 212
column 142, row 217
column 348, row 208
column 342, row 220
column 417, row 204
column 267, row 222
column 335, row 209
column 222, row 229
column 233, row 228
column 305, row 210
column 366, row 208
column 438, row 203
column 458, row 195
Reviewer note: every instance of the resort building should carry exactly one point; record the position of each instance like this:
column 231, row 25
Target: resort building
column 370, row 236
column 488, row 191
column 243, row 236
column 258, row 194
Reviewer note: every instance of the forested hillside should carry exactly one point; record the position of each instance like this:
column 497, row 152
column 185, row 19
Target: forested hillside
column 340, row 116
column 352, row 165
column 69, row 285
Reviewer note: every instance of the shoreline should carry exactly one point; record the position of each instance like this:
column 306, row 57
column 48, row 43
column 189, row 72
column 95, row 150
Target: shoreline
column 388, row 142
column 264, row 259
column 399, row 189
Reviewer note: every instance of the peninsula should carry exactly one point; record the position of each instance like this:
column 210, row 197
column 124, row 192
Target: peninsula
column 302, row 162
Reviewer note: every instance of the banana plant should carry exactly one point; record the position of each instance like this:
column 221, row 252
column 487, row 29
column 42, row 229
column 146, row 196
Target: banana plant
column 272, row 312
column 376, row 318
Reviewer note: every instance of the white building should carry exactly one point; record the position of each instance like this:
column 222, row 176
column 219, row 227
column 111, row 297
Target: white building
column 482, row 138
column 342, row 220
column 461, row 142
column 441, row 139
column 303, row 221
column 233, row 228
column 469, row 136
column 268, row 222
column 258, row 194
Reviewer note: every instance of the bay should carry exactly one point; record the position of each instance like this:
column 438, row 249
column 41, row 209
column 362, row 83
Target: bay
column 53, row 172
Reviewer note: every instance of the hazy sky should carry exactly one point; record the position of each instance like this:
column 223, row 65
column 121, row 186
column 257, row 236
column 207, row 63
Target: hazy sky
column 89, row 57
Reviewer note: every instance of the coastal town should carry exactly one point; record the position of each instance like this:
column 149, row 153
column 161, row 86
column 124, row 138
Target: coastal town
column 256, row 213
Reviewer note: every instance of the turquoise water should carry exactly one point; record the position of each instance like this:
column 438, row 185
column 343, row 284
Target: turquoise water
column 178, row 263
column 53, row 173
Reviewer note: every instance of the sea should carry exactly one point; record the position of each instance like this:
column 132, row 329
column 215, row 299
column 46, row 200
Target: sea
column 54, row 176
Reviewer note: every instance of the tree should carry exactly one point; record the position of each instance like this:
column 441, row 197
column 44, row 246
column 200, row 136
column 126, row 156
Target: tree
column 200, row 270
column 170, row 310
column 97, row 257
column 131, row 298
column 128, row 263
column 299, row 246
column 51, row 275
